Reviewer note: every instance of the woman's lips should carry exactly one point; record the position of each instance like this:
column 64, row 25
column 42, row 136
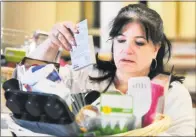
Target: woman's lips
column 127, row 61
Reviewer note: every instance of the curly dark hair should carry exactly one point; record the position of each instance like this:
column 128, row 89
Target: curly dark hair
column 153, row 25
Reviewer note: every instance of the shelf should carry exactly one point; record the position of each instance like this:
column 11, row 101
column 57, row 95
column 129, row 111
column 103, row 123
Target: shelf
column 179, row 63
column 97, row 32
column 181, row 39
column 183, row 63
column 94, row 31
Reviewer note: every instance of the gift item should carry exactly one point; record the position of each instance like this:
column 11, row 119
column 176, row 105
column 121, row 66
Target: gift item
column 140, row 90
column 160, row 86
column 36, row 73
column 38, row 106
column 157, row 104
column 45, row 79
column 116, row 113
column 14, row 54
column 28, row 62
column 86, row 118
column 113, row 116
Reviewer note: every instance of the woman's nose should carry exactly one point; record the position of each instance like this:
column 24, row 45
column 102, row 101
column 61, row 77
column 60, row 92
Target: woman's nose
column 129, row 48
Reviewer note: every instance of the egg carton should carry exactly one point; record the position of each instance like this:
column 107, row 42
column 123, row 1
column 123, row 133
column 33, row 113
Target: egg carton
column 35, row 106
column 40, row 112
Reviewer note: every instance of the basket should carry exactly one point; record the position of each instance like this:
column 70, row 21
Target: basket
column 6, row 73
column 162, row 123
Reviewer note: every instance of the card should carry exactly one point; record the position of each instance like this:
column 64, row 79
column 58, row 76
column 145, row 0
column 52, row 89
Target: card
column 83, row 54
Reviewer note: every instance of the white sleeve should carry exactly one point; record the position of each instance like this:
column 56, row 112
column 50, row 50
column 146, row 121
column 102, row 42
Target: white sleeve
column 178, row 106
column 78, row 81
column 44, row 52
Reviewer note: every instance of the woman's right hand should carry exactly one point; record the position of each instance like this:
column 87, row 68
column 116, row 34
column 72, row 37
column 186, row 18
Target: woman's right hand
column 62, row 35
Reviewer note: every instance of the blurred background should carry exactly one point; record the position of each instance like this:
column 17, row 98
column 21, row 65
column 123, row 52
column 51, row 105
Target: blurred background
column 24, row 25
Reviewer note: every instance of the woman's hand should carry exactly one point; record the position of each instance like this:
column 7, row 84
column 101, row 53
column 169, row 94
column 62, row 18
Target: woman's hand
column 62, row 35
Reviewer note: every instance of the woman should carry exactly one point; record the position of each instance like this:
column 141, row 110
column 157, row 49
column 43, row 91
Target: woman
column 138, row 48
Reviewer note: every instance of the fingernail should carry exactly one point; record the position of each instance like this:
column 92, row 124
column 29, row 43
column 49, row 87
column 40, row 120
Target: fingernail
column 73, row 43
column 77, row 31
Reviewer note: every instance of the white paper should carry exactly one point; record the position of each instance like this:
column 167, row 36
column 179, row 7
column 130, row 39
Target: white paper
column 83, row 54
column 31, row 78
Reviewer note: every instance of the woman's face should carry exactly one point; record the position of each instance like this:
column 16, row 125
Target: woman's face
column 132, row 52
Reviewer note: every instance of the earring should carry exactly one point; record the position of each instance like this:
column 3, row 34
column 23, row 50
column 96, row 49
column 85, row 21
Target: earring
column 154, row 61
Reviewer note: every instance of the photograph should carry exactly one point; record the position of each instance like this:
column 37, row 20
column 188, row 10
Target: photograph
column 98, row 68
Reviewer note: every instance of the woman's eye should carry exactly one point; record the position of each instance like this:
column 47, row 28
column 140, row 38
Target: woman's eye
column 140, row 43
column 121, row 41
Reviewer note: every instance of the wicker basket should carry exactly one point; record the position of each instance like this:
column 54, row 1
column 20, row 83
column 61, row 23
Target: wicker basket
column 161, row 124
column 6, row 73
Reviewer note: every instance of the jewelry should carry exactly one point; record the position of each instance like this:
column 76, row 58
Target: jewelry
column 57, row 35
column 155, row 66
